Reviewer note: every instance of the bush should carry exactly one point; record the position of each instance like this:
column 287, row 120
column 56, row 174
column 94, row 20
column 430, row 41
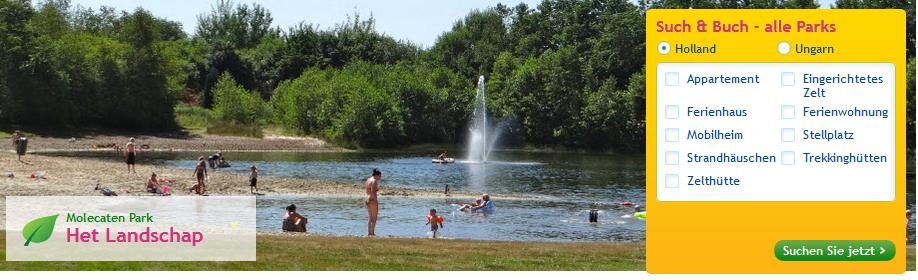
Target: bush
column 235, row 104
column 192, row 117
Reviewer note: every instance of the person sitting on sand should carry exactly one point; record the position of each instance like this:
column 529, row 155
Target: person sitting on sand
column 196, row 189
column 200, row 172
column 253, row 180
column 486, row 205
column 293, row 221
column 156, row 186
column 433, row 220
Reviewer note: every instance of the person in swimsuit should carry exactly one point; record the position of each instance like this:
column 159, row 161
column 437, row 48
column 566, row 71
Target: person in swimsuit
column 465, row 207
column 16, row 136
column 152, row 184
column 486, row 204
column 433, row 220
column 372, row 202
column 131, row 154
column 293, row 221
column 212, row 160
column 442, row 156
column 200, row 172
column 253, row 180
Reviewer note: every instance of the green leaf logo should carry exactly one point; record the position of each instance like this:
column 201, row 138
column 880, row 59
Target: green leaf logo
column 39, row 230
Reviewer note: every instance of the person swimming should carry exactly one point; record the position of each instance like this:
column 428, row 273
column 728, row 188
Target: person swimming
column 465, row 207
column 486, row 204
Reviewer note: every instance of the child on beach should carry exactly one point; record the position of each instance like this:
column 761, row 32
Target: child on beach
column 200, row 172
column 253, row 180
column 433, row 220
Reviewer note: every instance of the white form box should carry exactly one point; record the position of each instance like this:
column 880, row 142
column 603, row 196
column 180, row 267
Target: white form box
column 787, row 79
column 672, row 112
column 672, row 78
column 734, row 116
column 787, row 135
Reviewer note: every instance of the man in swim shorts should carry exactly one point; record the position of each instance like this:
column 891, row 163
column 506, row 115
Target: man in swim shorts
column 131, row 154
column 372, row 186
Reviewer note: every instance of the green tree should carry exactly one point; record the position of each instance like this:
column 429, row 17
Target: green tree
column 549, row 88
column 146, row 80
column 235, row 104
column 473, row 44
column 15, row 38
column 907, row 5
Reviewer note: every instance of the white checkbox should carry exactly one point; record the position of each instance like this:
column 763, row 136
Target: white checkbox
column 787, row 112
column 787, row 78
column 672, row 135
column 787, row 158
column 672, row 180
column 787, row 135
column 672, row 78
column 672, row 158
column 672, row 112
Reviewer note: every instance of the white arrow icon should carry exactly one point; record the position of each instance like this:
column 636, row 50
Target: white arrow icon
column 882, row 250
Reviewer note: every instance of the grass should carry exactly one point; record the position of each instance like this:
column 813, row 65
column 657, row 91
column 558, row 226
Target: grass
column 357, row 253
column 193, row 118
column 910, row 258
column 200, row 120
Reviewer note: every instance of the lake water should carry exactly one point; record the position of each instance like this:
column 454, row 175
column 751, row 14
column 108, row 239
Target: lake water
column 559, row 189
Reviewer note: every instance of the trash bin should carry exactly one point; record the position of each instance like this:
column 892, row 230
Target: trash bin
column 21, row 146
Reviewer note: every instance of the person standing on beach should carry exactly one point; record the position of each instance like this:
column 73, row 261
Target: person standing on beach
column 372, row 202
column 131, row 154
column 253, row 180
column 200, row 172
column 16, row 136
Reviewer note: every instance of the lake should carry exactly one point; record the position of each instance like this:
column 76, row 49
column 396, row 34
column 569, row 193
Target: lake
column 559, row 189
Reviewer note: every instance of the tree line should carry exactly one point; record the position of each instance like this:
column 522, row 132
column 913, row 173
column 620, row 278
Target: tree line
column 563, row 73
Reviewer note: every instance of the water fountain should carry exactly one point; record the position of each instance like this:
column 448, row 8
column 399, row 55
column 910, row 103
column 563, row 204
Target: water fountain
column 479, row 145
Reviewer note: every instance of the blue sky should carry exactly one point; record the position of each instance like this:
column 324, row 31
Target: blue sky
column 419, row 21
